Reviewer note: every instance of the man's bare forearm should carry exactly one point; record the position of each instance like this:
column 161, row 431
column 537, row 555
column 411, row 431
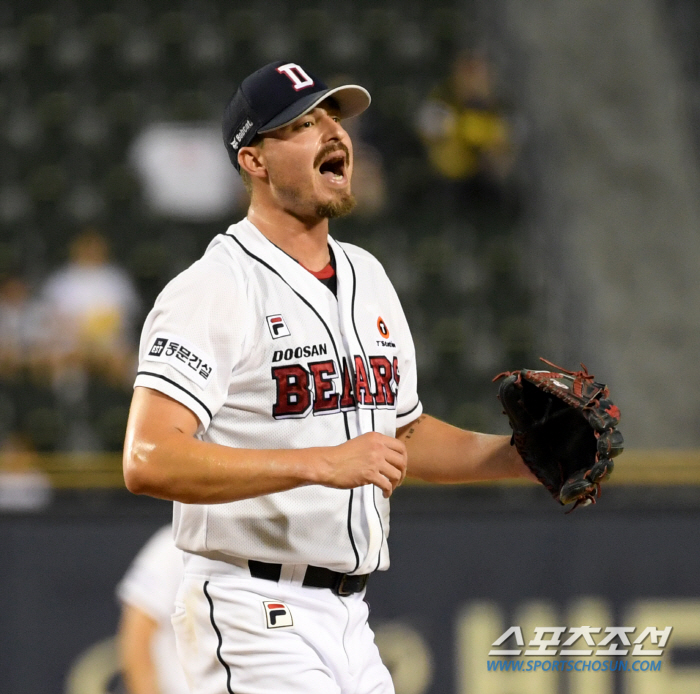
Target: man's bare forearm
column 181, row 468
column 137, row 631
column 441, row 453
column 162, row 458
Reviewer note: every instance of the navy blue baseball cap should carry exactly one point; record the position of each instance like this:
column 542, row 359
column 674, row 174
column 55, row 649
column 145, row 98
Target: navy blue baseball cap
column 277, row 94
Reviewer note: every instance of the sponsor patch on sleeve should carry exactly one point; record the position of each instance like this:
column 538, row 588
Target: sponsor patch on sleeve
column 191, row 361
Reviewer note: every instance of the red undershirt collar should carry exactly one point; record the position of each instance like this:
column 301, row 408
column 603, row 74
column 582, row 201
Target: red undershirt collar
column 324, row 274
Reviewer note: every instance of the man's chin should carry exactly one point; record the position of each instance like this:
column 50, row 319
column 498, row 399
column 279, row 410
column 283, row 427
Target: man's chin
column 336, row 208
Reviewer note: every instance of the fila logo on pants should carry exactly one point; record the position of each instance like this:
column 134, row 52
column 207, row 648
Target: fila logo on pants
column 277, row 614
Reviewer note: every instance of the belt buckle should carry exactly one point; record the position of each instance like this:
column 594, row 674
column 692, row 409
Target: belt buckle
column 347, row 584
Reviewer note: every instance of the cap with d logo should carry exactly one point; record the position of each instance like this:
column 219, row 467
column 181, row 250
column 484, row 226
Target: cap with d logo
column 277, row 94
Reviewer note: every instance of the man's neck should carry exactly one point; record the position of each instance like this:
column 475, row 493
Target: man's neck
column 304, row 240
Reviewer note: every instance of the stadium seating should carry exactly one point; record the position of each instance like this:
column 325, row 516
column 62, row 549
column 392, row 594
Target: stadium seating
column 82, row 78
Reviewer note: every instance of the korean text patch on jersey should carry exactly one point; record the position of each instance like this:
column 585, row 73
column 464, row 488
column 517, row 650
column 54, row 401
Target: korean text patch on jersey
column 191, row 361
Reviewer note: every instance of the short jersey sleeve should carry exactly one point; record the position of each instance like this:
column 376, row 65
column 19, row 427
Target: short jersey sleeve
column 408, row 404
column 152, row 580
column 193, row 337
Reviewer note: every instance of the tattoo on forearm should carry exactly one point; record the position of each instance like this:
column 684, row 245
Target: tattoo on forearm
column 411, row 431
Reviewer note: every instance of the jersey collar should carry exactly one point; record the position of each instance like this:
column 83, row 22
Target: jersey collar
column 256, row 244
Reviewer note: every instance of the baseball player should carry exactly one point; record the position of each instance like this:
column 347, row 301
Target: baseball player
column 146, row 639
column 276, row 404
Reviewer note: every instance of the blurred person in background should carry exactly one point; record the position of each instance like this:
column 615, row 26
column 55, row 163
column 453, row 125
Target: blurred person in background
column 469, row 141
column 94, row 303
column 26, row 367
column 24, row 326
column 146, row 639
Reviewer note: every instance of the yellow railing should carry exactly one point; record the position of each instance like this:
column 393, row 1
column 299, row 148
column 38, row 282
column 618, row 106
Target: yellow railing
column 100, row 471
column 73, row 470
column 647, row 468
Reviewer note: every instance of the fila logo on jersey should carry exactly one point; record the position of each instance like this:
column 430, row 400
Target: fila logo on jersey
column 299, row 78
column 277, row 615
column 323, row 388
column 278, row 328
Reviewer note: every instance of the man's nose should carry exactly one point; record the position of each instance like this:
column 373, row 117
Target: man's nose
column 333, row 127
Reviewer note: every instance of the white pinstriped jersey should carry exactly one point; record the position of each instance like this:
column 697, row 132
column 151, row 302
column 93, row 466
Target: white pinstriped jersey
column 267, row 357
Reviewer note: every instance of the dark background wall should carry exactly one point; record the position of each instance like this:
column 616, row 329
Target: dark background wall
column 466, row 564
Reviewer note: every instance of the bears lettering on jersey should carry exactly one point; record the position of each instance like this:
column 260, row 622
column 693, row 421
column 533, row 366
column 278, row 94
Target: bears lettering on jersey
column 322, row 388
column 384, row 378
column 293, row 392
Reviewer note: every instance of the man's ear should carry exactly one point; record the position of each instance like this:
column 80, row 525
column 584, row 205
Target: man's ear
column 249, row 160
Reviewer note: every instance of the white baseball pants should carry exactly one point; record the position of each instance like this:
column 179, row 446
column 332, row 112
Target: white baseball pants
column 242, row 635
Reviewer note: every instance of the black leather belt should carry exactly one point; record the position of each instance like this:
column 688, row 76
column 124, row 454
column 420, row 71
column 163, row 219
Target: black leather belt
column 315, row 577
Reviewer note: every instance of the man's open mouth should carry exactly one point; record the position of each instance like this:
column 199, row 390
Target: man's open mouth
column 333, row 166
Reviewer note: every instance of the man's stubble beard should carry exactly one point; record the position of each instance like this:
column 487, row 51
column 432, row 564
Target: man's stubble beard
column 336, row 208
column 331, row 209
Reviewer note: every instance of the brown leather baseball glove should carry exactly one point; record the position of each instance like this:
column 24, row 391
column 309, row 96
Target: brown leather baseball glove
column 565, row 429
